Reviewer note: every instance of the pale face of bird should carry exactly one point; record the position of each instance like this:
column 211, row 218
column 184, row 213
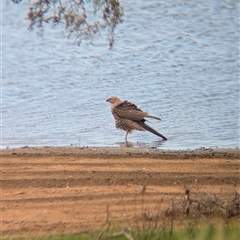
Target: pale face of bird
column 113, row 100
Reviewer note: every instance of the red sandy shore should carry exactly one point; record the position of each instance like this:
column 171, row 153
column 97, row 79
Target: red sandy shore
column 49, row 190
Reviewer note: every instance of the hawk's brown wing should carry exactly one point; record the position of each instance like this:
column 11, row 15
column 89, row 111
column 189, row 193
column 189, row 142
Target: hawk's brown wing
column 130, row 111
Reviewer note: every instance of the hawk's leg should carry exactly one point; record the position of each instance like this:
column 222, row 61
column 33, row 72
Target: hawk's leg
column 126, row 136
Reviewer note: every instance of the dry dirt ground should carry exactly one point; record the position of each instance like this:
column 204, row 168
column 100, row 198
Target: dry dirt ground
column 52, row 190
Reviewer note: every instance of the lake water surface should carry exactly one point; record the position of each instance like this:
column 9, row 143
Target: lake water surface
column 178, row 60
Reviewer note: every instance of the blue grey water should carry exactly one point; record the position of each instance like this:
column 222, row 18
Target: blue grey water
column 176, row 59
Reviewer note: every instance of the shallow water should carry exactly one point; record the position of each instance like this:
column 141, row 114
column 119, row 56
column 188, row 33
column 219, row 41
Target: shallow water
column 175, row 59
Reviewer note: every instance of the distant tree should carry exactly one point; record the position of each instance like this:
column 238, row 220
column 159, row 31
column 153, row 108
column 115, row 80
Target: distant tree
column 73, row 15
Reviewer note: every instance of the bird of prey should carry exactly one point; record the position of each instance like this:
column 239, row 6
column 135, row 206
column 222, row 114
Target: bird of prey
column 129, row 117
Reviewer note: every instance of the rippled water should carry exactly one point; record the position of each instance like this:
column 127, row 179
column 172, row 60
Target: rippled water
column 176, row 59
